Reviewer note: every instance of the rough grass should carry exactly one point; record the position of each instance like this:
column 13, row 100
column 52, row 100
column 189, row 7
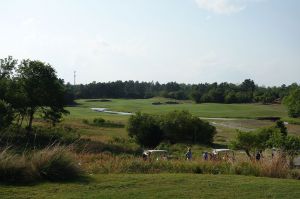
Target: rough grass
column 52, row 163
column 163, row 186
column 56, row 164
column 107, row 163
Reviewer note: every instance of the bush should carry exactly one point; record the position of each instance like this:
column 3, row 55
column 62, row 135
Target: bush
column 182, row 127
column 292, row 101
column 145, row 129
column 100, row 122
column 54, row 164
column 6, row 115
column 15, row 168
column 174, row 127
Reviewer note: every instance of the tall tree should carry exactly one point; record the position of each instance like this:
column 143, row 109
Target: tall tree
column 292, row 101
column 43, row 91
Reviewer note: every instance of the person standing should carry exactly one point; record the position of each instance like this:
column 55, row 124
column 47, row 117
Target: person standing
column 205, row 155
column 188, row 154
column 258, row 156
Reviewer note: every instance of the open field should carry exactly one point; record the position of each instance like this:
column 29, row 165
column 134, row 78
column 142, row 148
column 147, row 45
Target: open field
column 201, row 110
column 226, row 117
column 160, row 186
column 244, row 115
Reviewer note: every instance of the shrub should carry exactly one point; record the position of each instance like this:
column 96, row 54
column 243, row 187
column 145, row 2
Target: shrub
column 56, row 164
column 6, row 114
column 145, row 129
column 100, row 122
column 85, row 121
column 174, row 127
column 15, row 168
column 183, row 127
column 292, row 101
column 171, row 102
column 157, row 103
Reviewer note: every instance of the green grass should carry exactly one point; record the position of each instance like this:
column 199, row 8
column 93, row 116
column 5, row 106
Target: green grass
column 160, row 186
column 201, row 110
column 165, row 185
column 226, row 129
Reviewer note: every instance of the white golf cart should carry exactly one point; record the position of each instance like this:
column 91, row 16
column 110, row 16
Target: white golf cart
column 155, row 155
column 223, row 154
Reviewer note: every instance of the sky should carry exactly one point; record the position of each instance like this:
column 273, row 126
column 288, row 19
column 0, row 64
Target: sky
column 187, row 41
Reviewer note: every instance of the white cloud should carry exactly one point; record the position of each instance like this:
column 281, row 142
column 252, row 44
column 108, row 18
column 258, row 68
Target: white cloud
column 224, row 6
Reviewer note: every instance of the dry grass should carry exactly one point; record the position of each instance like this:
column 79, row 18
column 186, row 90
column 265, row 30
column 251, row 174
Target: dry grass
column 107, row 163
column 52, row 163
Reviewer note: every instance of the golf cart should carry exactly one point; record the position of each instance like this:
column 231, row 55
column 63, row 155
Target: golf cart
column 155, row 155
column 222, row 154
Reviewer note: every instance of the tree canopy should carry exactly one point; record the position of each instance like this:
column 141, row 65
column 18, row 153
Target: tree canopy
column 174, row 127
column 246, row 92
column 29, row 88
column 292, row 101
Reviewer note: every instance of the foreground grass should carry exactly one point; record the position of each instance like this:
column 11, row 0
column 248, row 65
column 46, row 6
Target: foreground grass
column 160, row 186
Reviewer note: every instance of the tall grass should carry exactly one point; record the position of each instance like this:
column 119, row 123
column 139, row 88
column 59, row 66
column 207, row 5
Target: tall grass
column 15, row 168
column 56, row 164
column 52, row 163
column 108, row 163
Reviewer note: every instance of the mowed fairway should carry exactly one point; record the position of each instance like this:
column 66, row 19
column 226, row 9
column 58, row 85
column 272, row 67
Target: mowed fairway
column 160, row 186
column 202, row 110
column 246, row 114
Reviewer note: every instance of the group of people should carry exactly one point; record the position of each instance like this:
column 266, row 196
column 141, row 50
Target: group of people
column 189, row 155
column 205, row 155
column 210, row 156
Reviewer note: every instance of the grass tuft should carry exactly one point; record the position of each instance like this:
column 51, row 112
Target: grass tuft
column 54, row 164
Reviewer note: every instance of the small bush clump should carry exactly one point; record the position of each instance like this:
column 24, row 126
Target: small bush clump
column 53, row 164
column 15, row 168
column 100, row 122
column 56, row 164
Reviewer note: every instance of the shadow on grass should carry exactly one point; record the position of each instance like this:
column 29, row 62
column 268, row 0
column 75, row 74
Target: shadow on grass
column 84, row 179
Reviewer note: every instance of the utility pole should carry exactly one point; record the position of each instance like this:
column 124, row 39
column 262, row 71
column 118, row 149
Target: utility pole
column 74, row 77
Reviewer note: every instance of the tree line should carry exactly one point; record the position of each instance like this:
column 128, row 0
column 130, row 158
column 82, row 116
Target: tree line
column 246, row 92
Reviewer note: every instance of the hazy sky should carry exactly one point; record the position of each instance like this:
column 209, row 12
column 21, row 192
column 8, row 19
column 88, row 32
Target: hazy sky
column 189, row 41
